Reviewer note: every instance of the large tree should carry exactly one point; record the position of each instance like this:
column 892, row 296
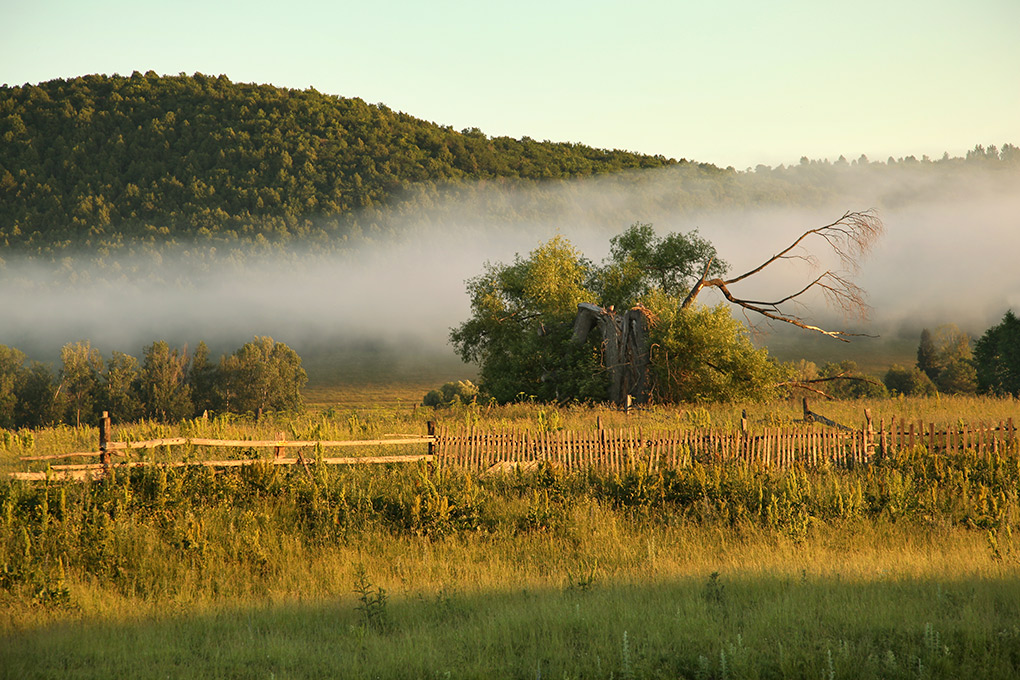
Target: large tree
column 166, row 395
column 533, row 323
column 81, row 367
column 262, row 375
column 946, row 358
column 520, row 327
column 997, row 356
column 12, row 374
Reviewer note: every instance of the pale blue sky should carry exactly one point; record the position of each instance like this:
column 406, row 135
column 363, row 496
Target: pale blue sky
column 732, row 82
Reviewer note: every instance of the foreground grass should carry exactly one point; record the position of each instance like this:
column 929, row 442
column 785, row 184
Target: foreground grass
column 907, row 568
column 678, row 602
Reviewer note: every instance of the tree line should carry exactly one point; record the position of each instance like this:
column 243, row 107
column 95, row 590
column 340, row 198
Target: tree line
column 167, row 385
column 97, row 160
column 127, row 163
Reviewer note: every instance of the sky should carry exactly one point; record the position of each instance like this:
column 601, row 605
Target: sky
column 731, row 82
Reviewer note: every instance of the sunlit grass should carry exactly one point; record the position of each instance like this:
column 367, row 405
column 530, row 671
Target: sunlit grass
column 902, row 569
column 560, row 607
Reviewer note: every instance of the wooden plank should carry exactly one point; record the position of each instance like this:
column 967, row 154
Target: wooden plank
column 59, row 456
column 62, row 475
column 150, row 444
column 349, row 460
column 267, row 443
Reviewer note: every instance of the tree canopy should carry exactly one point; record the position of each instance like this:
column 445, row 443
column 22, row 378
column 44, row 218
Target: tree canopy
column 99, row 160
column 168, row 384
column 997, row 357
column 522, row 332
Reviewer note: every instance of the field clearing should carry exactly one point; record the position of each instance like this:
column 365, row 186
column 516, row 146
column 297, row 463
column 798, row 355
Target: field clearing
column 366, row 396
column 905, row 568
column 629, row 602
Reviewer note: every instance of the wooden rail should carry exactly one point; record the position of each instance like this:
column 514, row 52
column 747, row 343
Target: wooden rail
column 108, row 449
column 114, row 448
column 802, row 444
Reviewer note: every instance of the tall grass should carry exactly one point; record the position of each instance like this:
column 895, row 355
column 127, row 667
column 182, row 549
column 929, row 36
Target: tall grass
column 904, row 568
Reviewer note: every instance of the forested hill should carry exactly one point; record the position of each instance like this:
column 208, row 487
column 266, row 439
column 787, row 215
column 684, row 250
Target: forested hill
column 97, row 161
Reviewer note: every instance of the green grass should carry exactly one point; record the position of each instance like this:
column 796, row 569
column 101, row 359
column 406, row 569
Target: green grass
column 906, row 568
column 659, row 605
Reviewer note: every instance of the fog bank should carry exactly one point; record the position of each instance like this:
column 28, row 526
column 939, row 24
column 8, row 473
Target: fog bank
column 948, row 255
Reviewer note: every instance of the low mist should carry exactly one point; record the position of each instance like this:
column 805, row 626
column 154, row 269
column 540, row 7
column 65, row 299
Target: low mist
column 385, row 309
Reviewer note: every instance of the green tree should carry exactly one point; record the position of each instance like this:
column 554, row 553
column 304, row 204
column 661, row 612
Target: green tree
column 163, row 386
column 997, row 357
column 927, row 357
column 521, row 324
column 946, row 358
column 640, row 261
column 262, row 375
column 522, row 328
column 39, row 404
column 703, row 354
column 204, row 378
column 12, row 373
column 120, row 388
column 910, row 382
column 81, row 367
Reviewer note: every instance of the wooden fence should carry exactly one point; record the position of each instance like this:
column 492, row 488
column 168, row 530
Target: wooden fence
column 805, row 444
column 109, row 450
column 802, row 444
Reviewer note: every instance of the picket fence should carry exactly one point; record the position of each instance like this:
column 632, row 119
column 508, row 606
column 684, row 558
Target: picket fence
column 808, row 445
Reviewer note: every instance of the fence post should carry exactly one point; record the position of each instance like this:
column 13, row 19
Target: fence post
column 883, row 441
column 431, row 425
column 869, row 436
column 104, row 441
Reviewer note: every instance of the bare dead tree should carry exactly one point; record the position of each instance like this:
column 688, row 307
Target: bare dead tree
column 849, row 238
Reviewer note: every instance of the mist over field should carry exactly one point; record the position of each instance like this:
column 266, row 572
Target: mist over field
column 948, row 256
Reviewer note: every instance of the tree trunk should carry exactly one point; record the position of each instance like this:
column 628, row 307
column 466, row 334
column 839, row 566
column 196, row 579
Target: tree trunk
column 624, row 348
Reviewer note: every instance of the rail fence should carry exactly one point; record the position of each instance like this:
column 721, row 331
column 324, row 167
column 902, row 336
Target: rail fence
column 808, row 444
column 110, row 451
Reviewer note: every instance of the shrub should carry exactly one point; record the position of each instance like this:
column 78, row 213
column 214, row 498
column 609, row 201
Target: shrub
column 460, row 392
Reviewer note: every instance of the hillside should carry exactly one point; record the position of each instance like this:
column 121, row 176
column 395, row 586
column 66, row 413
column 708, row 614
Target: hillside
column 113, row 165
column 97, row 161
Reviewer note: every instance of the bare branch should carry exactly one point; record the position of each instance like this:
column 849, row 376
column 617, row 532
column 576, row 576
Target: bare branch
column 698, row 286
column 850, row 238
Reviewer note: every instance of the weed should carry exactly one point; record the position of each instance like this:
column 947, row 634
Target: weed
column 626, row 665
column 583, row 582
column 371, row 602
column 714, row 591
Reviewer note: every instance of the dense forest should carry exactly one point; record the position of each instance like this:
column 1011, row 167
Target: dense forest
column 110, row 164
column 96, row 160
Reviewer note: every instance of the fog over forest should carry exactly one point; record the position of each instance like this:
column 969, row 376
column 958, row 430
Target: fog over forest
column 948, row 256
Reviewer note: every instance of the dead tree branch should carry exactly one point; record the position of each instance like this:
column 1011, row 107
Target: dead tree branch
column 850, row 238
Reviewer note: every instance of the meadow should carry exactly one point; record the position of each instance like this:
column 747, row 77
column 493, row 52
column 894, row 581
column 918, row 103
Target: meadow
column 908, row 567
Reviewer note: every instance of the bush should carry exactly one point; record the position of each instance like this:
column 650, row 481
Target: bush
column 462, row 392
column 910, row 382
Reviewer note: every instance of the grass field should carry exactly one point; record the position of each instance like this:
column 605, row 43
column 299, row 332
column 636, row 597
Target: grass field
column 659, row 604
column 908, row 568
